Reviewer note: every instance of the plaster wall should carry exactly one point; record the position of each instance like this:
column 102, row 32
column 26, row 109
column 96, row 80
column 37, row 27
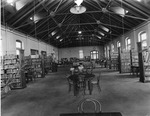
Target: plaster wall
column 133, row 35
column 9, row 37
column 74, row 51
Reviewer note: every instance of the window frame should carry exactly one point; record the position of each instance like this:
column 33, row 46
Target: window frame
column 142, row 40
column 118, row 44
column 94, row 54
column 81, row 55
column 108, row 48
column 19, row 48
column 112, row 48
column 127, row 44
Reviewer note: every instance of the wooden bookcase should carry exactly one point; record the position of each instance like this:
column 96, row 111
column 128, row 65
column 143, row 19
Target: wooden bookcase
column 12, row 72
column 125, row 62
column 114, row 61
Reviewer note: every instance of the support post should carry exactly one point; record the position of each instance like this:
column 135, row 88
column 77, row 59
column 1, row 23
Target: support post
column 109, row 60
column 141, row 64
column 119, row 60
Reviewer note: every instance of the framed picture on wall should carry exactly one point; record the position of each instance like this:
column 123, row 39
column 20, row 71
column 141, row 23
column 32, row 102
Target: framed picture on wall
column 34, row 52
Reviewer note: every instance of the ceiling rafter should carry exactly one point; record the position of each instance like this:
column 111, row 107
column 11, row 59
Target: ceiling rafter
column 55, row 15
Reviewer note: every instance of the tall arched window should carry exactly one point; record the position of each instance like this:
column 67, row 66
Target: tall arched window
column 105, row 51
column 1, row 47
column 118, row 44
column 18, row 46
column 112, row 47
column 143, row 39
column 81, row 54
column 128, row 43
column 108, row 51
column 94, row 54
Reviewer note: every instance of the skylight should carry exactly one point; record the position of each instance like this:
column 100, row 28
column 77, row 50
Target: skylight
column 101, row 33
column 53, row 33
column 79, row 32
column 105, row 29
column 57, row 37
column 99, row 37
column 60, row 40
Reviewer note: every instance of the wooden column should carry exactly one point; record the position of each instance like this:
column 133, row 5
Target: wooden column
column 131, row 57
column 141, row 64
column 119, row 59
column 22, row 74
column 109, row 60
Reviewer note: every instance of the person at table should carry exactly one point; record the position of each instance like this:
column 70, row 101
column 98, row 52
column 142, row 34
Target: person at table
column 75, row 78
column 80, row 67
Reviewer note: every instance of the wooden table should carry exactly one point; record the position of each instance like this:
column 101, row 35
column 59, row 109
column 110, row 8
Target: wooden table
column 135, row 69
column 87, row 79
column 93, row 114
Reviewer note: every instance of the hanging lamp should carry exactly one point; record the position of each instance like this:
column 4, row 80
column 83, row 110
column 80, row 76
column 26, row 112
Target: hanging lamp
column 78, row 8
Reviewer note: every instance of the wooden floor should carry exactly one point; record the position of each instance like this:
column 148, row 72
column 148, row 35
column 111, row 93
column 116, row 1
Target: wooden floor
column 49, row 96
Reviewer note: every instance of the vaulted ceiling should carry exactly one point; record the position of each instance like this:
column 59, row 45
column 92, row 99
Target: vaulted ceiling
column 52, row 22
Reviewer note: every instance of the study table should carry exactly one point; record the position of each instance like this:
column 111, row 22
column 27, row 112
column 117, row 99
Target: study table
column 86, row 78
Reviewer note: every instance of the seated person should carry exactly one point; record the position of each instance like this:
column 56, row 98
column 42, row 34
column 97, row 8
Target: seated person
column 75, row 78
column 72, row 70
column 80, row 67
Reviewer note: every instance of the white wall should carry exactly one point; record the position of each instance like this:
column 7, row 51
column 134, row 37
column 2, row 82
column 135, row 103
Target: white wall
column 10, row 36
column 133, row 35
column 74, row 51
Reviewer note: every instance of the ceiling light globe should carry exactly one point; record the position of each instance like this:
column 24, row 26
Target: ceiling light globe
column 79, row 32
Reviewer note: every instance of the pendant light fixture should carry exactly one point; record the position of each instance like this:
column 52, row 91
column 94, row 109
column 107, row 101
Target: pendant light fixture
column 78, row 8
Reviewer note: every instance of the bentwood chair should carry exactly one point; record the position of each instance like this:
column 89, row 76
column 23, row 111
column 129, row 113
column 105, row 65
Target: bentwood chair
column 96, row 82
column 70, row 83
column 89, row 70
column 82, row 83
column 83, row 104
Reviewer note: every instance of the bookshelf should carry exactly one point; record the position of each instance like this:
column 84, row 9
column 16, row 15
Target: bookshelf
column 125, row 62
column 12, row 73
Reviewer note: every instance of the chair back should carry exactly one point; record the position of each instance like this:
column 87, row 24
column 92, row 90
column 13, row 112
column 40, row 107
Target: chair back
column 98, row 77
column 69, row 80
column 82, row 104
column 89, row 70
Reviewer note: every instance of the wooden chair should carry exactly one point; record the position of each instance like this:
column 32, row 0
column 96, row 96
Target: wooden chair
column 70, row 83
column 83, row 103
column 82, row 83
column 96, row 82
column 89, row 70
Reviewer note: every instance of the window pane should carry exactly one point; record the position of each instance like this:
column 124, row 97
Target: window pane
column 81, row 54
column 129, row 41
column 118, row 44
column 17, row 52
column 0, row 47
column 144, row 44
column 18, row 44
column 129, row 47
column 94, row 52
column 143, row 36
column 94, row 56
